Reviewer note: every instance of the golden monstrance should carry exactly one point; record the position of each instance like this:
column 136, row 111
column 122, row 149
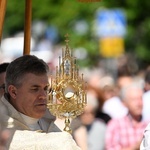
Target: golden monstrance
column 67, row 97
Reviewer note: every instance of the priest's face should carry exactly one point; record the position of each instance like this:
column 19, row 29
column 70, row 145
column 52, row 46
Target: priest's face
column 30, row 98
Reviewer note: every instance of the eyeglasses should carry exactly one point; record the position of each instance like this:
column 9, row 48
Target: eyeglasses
column 2, row 86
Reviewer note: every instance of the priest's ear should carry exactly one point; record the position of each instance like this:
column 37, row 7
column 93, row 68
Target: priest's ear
column 12, row 90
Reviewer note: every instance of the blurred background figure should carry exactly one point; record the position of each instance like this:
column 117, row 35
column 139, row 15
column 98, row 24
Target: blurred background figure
column 4, row 137
column 79, row 133
column 99, row 95
column 146, row 96
column 3, row 67
column 127, row 132
column 112, row 103
column 95, row 127
column 93, row 77
column 124, row 80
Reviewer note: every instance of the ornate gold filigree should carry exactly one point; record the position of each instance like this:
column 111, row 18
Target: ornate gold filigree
column 67, row 98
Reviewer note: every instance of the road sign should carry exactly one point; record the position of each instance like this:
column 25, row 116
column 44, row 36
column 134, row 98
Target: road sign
column 110, row 23
column 111, row 47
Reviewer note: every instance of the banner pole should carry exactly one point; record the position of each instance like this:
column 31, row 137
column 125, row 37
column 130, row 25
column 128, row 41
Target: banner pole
column 2, row 16
column 27, row 27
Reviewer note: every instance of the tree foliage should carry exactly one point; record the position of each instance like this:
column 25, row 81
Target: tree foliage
column 64, row 15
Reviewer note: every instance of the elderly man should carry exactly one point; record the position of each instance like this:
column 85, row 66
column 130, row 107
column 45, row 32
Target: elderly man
column 126, row 133
column 24, row 105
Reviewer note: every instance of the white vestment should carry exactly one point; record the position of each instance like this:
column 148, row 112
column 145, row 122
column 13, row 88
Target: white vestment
column 33, row 140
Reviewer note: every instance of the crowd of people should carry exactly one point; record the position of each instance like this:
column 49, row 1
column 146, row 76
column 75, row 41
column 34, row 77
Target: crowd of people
column 121, row 107
column 116, row 117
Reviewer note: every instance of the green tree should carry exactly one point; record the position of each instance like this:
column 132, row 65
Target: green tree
column 64, row 15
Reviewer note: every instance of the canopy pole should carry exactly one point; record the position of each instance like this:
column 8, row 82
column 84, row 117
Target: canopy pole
column 2, row 16
column 27, row 27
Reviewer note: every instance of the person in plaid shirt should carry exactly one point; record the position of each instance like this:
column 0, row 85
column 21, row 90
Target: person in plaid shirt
column 126, row 133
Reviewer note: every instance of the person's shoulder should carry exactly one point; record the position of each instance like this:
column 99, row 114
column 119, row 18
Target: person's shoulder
column 114, row 99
